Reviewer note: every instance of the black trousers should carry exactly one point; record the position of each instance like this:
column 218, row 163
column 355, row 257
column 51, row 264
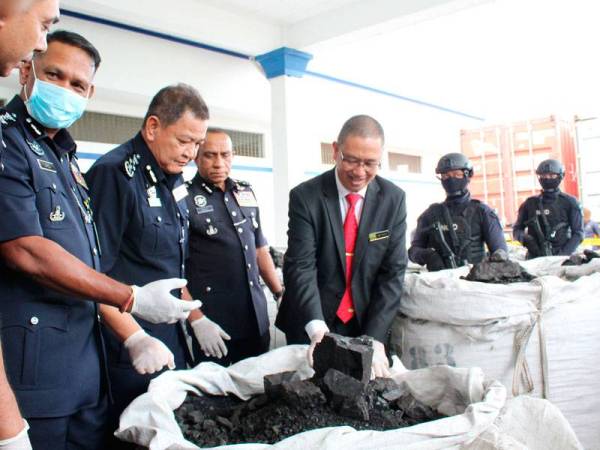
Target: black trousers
column 83, row 430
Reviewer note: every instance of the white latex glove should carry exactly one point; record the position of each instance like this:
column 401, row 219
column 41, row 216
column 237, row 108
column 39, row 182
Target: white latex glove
column 315, row 329
column 211, row 337
column 18, row 442
column 148, row 354
column 381, row 366
column 154, row 302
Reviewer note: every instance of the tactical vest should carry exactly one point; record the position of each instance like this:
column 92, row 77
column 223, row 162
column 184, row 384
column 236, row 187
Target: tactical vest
column 553, row 218
column 462, row 231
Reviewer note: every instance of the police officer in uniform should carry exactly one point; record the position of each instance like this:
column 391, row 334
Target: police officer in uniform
column 228, row 253
column 453, row 233
column 550, row 223
column 23, row 29
column 139, row 195
column 49, row 250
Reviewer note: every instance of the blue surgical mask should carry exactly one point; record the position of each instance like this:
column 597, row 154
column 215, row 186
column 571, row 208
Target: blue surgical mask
column 53, row 106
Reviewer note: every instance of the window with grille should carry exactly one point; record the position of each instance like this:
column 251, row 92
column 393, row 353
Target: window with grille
column 327, row 153
column 105, row 128
column 404, row 163
column 115, row 129
column 247, row 144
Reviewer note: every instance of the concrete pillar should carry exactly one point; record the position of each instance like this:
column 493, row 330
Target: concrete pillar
column 284, row 68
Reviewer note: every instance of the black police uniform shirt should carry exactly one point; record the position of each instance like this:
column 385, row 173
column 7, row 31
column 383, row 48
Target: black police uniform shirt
column 222, row 269
column 51, row 341
column 564, row 217
column 484, row 228
column 142, row 221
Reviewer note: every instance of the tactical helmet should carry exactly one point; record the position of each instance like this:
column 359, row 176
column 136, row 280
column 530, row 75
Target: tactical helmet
column 551, row 166
column 454, row 161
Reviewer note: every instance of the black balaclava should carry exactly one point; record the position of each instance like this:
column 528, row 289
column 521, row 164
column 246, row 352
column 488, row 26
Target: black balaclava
column 455, row 187
column 550, row 184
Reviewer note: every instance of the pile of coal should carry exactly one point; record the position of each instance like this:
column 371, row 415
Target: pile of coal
column 498, row 268
column 578, row 259
column 339, row 394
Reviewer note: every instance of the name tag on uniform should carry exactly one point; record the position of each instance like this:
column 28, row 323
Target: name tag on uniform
column 246, row 198
column 46, row 165
column 180, row 192
column 378, row 235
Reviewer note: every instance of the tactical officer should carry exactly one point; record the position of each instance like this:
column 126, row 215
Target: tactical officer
column 228, row 252
column 139, row 195
column 48, row 253
column 23, row 30
column 550, row 223
column 453, row 233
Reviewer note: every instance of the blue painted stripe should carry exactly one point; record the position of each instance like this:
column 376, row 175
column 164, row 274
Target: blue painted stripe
column 253, row 168
column 86, row 155
column 156, row 34
column 391, row 94
column 224, row 51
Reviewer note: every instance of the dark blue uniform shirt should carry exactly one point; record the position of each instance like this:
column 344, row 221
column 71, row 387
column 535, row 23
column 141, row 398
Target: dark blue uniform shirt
column 222, row 269
column 50, row 340
column 142, row 228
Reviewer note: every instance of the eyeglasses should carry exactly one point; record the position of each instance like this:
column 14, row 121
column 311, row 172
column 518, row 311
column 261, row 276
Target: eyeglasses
column 452, row 174
column 352, row 163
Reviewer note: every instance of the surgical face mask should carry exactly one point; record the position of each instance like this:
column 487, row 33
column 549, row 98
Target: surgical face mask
column 550, row 184
column 53, row 106
column 455, row 186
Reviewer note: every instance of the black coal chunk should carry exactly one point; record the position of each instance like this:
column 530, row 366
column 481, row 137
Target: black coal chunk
column 498, row 269
column 347, row 395
column 333, row 397
column 351, row 356
column 578, row 259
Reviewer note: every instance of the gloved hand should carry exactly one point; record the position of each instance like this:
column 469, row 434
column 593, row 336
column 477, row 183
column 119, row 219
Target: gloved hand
column 154, row 302
column 499, row 255
column 433, row 260
column 18, row 442
column 316, row 335
column 211, row 337
column 147, row 354
column 381, row 366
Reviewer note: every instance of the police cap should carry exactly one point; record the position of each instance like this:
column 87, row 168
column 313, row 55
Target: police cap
column 454, row 161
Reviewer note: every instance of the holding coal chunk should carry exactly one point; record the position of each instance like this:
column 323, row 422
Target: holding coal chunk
column 498, row 268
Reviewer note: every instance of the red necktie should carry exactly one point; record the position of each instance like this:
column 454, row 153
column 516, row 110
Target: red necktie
column 346, row 309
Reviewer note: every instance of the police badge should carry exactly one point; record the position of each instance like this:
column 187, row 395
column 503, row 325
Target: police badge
column 200, row 201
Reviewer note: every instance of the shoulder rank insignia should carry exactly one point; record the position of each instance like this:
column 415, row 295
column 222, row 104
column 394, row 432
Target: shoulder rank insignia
column 36, row 148
column 241, row 184
column 7, row 117
column 130, row 164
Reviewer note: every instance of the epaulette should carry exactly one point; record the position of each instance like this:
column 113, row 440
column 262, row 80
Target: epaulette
column 242, row 185
column 131, row 163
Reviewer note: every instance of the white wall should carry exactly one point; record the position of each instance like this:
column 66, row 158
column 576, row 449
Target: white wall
column 135, row 66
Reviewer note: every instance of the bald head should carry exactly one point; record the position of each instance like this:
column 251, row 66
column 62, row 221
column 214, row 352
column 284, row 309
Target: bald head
column 362, row 126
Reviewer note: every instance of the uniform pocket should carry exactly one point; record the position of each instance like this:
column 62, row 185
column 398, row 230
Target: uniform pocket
column 158, row 235
column 53, row 205
column 35, row 342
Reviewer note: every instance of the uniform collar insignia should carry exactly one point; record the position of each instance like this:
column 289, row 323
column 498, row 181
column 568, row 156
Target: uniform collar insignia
column 33, row 126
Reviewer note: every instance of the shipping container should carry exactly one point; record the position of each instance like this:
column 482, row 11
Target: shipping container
column 505, row 158
column 588, row 147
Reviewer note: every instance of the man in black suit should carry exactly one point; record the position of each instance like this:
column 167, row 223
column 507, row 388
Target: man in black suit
column 344, row 272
